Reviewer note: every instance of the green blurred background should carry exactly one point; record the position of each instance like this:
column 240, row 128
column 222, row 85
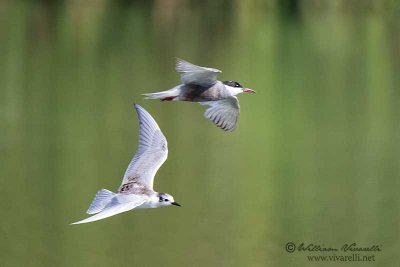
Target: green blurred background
column 315, row 157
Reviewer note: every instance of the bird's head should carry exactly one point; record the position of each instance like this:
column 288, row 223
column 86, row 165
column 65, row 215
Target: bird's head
column 236, row 88
column 165, row 199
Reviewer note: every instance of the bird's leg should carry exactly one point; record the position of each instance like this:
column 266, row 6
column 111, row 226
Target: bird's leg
column 168, row 98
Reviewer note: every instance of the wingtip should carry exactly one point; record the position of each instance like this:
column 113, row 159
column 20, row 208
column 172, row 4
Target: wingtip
column 179, row 61
column 80, row 222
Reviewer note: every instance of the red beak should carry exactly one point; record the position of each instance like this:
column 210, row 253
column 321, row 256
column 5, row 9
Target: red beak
column 248, row 90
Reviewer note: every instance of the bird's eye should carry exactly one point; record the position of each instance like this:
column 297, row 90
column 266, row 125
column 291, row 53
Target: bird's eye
column 166, row 200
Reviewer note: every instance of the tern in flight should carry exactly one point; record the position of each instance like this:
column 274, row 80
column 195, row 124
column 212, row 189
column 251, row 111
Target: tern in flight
column 136, row 190
column 200, row 84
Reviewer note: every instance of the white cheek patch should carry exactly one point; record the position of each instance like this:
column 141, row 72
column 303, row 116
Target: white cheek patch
column 234, row 90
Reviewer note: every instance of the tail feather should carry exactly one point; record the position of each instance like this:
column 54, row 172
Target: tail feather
column 101, row 199
column 160, row 95
column 164, row 95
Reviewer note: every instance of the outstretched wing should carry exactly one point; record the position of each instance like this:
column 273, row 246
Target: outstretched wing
column 192, row 74
column 151, row 153
column 115, row 206
column 224, row 113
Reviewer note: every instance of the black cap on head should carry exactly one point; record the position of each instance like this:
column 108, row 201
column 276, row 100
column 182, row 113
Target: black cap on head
column 232, row 84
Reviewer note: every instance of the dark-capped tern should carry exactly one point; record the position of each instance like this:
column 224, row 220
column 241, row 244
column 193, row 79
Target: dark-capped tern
column 200, row 84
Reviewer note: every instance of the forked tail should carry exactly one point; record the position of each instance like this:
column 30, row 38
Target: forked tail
column 168, row 95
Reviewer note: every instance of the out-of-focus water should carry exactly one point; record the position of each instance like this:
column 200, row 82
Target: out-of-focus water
column 315, row 157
